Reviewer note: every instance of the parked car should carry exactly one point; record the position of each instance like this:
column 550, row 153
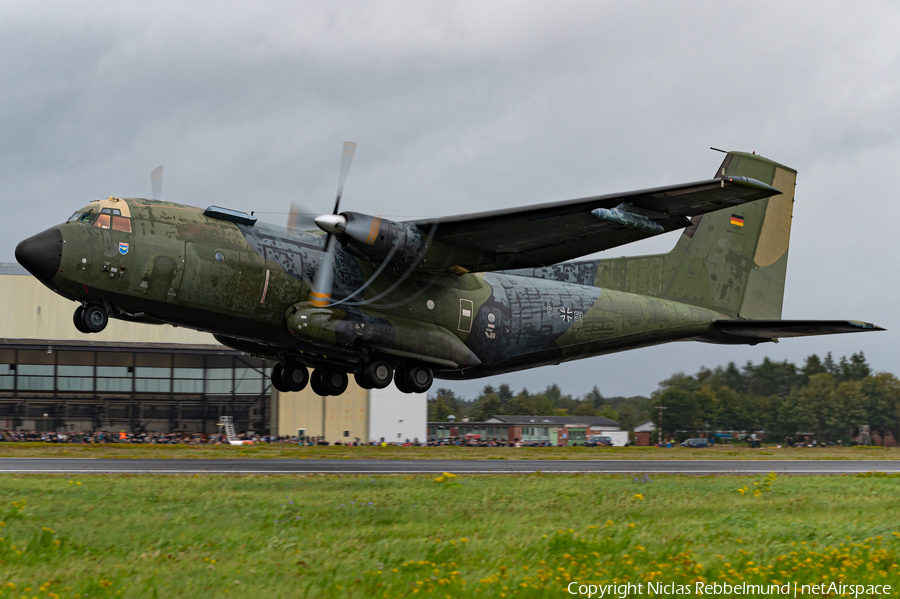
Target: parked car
column 598, row 441
column 698, row 442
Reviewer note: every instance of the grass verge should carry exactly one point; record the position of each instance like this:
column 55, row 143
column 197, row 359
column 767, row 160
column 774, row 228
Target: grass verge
column 424, row 536
column 124, row 450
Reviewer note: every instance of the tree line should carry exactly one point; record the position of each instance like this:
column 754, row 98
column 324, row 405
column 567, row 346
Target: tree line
column 824, row 399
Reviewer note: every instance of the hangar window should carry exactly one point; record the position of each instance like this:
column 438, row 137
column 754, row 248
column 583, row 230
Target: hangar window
column 121, row 223
column 7, row 376
column 188, row 380
column 74, row 378
column 36, row 377
column 152, row 379
column 113, row 379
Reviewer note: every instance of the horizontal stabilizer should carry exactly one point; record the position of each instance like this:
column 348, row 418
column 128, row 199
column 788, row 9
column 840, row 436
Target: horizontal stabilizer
column 773, row 329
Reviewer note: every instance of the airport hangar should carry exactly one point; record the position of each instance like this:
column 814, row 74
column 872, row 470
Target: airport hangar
column 138, row 377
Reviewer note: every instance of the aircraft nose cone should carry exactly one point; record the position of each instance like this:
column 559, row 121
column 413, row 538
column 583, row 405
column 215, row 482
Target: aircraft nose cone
column 41, row 254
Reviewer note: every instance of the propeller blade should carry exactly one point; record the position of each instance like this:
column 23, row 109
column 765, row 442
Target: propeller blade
column 156, row 183
column 320, row 293
column 346, row 158
column 323, row 282
column 301, row 218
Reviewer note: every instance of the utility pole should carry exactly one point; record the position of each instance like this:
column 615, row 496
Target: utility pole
column 660, row 436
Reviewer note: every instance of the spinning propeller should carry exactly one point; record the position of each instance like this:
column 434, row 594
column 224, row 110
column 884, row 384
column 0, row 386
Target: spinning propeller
column 371, row 238
column 320, row 294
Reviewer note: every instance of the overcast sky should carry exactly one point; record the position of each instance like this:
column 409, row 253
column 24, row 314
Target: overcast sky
column 468, row 106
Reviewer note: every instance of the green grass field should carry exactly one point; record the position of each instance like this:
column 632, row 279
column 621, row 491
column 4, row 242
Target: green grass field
column 413, row 536
column 725, row 452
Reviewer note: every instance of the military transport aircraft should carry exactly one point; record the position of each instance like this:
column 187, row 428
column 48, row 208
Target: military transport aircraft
column 456, row 297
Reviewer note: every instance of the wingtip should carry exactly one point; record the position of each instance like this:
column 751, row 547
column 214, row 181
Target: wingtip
column 866, row 326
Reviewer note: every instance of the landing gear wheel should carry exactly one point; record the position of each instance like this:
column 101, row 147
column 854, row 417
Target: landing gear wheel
column 294, row 376
column 379, row 373
column 78, row 319
column 315, row 383
column 400, row 381
column 94, row 318
column 359, row 375
column 334, row 381
column 276, row 379
column 419, row 378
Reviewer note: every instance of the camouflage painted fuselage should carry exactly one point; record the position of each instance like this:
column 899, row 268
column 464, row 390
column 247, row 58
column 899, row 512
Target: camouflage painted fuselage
column 249, row 285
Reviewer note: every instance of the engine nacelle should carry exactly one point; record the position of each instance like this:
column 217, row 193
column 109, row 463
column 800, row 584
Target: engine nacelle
column 424, row 341
column 372, row 238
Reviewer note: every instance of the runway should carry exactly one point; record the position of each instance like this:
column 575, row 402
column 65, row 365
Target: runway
column 276, row 466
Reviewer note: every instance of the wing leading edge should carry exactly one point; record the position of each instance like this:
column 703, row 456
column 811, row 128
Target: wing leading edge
column 544, row 234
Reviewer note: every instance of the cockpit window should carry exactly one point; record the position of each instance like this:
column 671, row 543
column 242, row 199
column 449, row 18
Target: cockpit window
column 121, row 223
column 74, row 216
column 103, row 221
column 106, row 211
column 88, row 217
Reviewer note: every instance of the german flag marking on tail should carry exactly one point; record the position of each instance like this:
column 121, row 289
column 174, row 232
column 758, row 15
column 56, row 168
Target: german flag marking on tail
column 737, row 220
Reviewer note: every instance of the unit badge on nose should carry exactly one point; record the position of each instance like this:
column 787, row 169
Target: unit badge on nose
column 123, row 248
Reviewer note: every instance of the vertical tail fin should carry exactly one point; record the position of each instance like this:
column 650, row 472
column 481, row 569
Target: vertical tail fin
column 733, row 261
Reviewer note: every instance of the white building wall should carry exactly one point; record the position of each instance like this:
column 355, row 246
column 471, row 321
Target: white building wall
column 397, row 416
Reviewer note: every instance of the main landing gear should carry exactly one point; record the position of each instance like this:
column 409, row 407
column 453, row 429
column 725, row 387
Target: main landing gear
column 290, row 377
column 414, row 378
column 325, row 380
column 91, row 318
column 293, row 376
column 376, row 374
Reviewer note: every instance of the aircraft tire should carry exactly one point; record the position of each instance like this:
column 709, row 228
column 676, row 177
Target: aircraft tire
column 400, row 381
column 294, row 376
column 419, row 379
column 94, row 318
column 78, row 319
column 315, row 383
column 277, row 382
column 334, row 381
column 379, row 373
column 359, row 375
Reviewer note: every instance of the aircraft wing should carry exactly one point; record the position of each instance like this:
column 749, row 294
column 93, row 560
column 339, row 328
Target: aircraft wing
column 544, row 234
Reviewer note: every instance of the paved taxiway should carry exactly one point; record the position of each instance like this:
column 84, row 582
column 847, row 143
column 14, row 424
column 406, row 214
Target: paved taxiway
column 276, row 466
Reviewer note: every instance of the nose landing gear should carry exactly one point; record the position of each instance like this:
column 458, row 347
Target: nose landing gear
column 92, row 318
